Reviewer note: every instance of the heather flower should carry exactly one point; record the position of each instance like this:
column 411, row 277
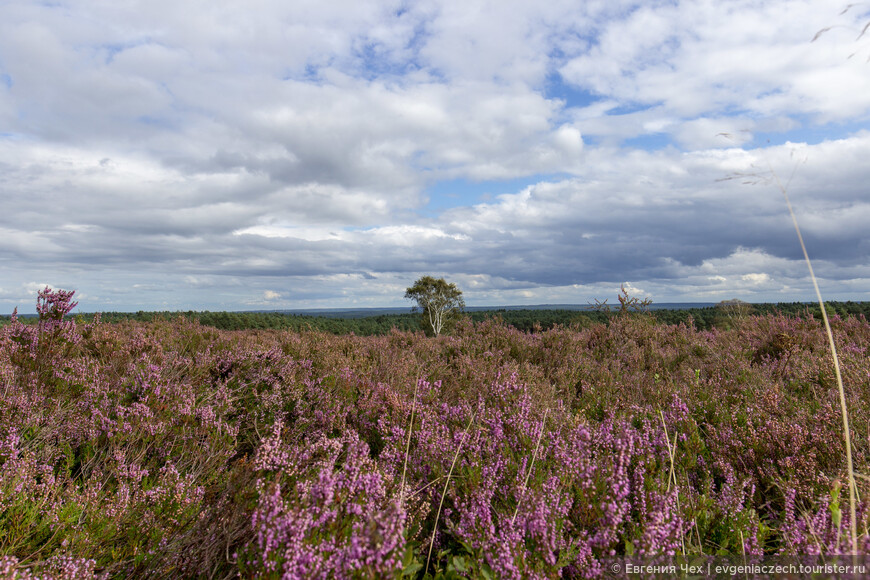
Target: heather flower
column 340, row 522
column 173, row 448
column 54, row 304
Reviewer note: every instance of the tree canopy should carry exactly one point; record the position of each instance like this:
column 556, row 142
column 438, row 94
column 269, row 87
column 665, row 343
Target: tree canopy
column 439, row 301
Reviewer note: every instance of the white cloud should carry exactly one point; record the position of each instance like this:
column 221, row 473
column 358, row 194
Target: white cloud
column 756, row 278
column 151, row 155
column 633, row 290
column 696, row 58
column 704, row 133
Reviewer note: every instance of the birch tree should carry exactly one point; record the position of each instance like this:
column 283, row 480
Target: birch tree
column 439, row 301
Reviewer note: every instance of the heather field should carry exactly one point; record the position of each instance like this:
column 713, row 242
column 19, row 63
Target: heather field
column 170, row 449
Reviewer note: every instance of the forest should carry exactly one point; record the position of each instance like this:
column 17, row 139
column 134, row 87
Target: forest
column 530, row 320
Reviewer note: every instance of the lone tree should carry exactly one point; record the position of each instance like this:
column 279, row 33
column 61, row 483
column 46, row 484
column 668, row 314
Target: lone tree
column 439, row 301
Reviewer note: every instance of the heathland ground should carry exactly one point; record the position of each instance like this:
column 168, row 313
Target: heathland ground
column 174, row 449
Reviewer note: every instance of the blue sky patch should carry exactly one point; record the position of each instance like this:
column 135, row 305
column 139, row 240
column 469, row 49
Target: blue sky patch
column 463, row 192
column 574, row 97
column 809, row 134
column 652, row 142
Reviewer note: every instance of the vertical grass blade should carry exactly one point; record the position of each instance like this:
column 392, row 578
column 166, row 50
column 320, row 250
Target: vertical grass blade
column 444, row 492
column 408, row 448
column 672, row 477
column 531, row 466
column 853, row 530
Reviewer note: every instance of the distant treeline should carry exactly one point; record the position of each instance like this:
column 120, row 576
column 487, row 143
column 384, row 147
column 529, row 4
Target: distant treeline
column 722, row 316
column 726, row 314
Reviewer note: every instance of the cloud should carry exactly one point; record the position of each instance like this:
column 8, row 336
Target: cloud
column 632, row 290
column 756, row 278
column 704, row 133
column 289, row 151
column 663, row 220
column 23, row 296
column 691, row 59
column 663, row 212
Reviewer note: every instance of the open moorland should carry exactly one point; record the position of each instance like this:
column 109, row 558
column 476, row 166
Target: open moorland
column 172, row 449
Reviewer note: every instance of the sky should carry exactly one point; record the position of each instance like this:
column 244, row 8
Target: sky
column 281, row 154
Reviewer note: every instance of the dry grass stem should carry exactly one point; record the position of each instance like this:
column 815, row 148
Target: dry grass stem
column 853, row 530
column 672, row 476
column 444, row 492
column 531, row 466
column 671, row 452
column 408, row 448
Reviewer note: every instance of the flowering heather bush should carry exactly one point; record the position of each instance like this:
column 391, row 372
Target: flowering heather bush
column 169, row 449
column 331, row 518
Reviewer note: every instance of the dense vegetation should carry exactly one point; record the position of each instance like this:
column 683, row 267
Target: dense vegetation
column 173, row 449
column 526, row 320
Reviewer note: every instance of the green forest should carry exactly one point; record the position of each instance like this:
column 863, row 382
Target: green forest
column 530, row 320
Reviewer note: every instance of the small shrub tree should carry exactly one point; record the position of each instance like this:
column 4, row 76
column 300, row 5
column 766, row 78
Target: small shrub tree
column 734, row 311
column 627, row 303
column 440, row 302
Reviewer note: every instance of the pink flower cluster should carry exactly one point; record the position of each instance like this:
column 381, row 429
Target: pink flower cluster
column 169, row 448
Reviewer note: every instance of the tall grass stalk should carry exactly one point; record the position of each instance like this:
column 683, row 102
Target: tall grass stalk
column 408, row 448
column 444, row 492
column 853, row 530
column 672, row 476
column 531, row 466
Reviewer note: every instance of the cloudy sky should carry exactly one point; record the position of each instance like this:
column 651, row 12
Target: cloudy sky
column 307, row 154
